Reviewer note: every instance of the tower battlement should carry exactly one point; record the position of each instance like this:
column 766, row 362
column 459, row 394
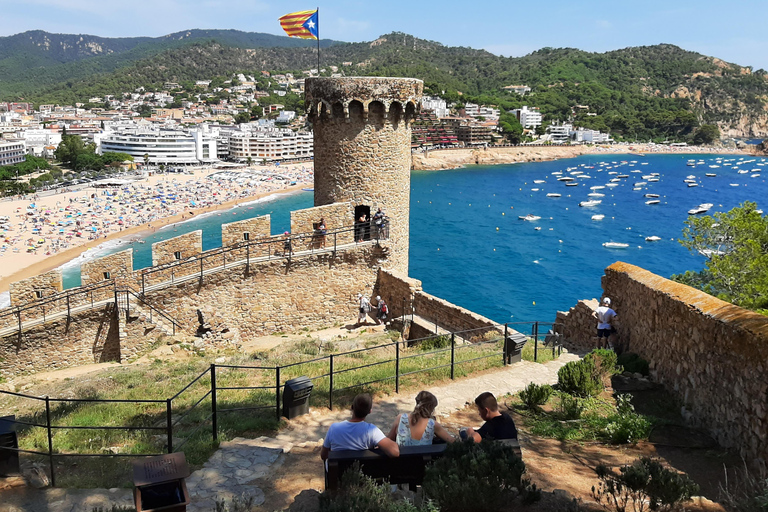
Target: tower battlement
column 363, row 98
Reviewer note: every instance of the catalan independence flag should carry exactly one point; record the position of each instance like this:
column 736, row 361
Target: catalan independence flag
column 301, row 24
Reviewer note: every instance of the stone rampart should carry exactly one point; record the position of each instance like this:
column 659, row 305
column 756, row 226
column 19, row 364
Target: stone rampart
column 709, row 353
column 178, row 248
column 337, row 215
column 397, row 289
column 36, row 287
column 450, row 316
column 257, row 228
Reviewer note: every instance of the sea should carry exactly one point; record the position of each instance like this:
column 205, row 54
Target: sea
column 470, row 247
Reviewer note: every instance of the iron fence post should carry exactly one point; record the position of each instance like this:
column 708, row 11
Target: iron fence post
column 397, row 367
column 50, row 439
column 143, row 275
column 330, row 387
column 214, row 422
column 248, row 257
column 277, row 393
column 535, row 349
column 68, row 308
column 453, row 353
column 169, row 424
column 506, row 344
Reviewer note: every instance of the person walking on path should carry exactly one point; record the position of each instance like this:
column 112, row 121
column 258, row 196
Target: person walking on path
column 605, row 318
column 356, row 433
column 364, row 308
column 382, row 310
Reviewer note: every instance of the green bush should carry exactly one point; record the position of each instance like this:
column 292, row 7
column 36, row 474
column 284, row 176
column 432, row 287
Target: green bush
column 474, row 476
column 360, row 493
column 643, row 482
column 435, row 343
column 579, row 378
column 745, row 489
column 535, row 395
column 626, row 426
column 570, row 407
column 633, row 363
column 604, row 361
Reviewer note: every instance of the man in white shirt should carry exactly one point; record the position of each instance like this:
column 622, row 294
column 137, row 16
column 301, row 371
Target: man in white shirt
column 605, row 317
column 357, row 434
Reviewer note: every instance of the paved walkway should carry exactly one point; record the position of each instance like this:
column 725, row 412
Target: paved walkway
column 232, row 469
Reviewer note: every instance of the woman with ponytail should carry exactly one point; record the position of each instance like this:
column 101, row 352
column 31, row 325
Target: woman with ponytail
column 420, row 427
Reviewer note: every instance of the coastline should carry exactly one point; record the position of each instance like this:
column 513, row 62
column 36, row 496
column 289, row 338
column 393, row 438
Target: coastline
column 57, row 260
column 456, row 158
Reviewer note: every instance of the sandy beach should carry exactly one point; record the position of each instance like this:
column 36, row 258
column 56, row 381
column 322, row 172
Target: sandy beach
column 42, row 233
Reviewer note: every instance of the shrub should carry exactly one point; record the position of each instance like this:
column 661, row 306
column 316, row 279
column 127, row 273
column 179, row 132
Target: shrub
column 745, row 490
column 435, row 343
column 358, row 492
column 633, row 363
column 643, row 482
column 579, row 378
column 626, row 426
column 570, row 407
column 474, row 476
column 604, row 361
column 534, row 395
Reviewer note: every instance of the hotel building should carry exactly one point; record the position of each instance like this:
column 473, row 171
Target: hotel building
column 163, row 146
column 12, row 153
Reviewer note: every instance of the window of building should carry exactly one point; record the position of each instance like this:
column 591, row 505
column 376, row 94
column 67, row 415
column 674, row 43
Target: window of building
column 39, row 294
column 107, row 276
column 246, row 236
column 177, row 255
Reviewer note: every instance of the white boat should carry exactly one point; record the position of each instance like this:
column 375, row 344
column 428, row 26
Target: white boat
column 653, row 201
column 652, row 238
column 595, row 194
column 743, row 171
column 597, row 187
column 574, row 184
column 598, row 217
column 529, row 217
column 552, row 194
column 710, row 174
column 693, row 184
column 591, row 202
column 689, row 181
column 539, row 181
column 537, row 228
column 702, row 208
column 623, row 176
column 754, row 176
column 652, row 195
column 615, row 180
column 615, row 245
column 611, row 184
column 714, row 166
column 534, row 190
column 640, row 184
column 565, row 178
column 734, row 184
column 691, row 177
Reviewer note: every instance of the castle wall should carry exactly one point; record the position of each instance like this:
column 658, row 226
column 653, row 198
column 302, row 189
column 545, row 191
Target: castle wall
column 396, row 289
column 711, row 354
column 188, row 245
column 257, row 229
column 47, row 284
column 335, row 216
column 118, row 266
column 450, row 316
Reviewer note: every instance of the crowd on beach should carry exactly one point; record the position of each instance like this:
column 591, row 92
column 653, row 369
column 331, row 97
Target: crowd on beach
column 47, row 225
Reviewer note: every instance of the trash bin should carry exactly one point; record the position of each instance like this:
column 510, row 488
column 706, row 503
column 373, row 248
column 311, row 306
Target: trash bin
column 513, row 348
column 9, row 459
column 296, row 397
column 160, row 484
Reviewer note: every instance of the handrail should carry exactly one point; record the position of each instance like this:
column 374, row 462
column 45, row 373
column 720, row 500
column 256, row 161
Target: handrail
column 13, row 310
column 128, row 290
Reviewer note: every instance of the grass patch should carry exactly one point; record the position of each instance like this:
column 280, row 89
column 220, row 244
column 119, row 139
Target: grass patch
column 544, row 353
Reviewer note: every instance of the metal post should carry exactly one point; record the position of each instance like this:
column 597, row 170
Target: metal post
column 535, row 349
column 334, row 244
column 143, row 274
column 248, row 257
column 330, row 387
column 224, row 256
column 277, row 393
column 169, row 424
column 397, row 367
column 507, row 350
column 68, row 308
column 50, row 439
column 214, row 422
column 453, row 353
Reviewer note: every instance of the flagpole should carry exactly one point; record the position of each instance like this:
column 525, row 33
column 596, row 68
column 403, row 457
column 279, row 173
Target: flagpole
column 318, row 41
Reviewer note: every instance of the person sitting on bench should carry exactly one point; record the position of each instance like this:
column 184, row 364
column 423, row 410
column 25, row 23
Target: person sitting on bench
column 357, row 434
column 498, row 425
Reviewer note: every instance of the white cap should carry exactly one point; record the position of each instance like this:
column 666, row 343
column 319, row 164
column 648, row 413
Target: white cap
column 606, row 300
column 378, row 298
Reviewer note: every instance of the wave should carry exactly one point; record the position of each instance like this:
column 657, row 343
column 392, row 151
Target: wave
column 5, row 300
column 266, row 199
column 95, row 252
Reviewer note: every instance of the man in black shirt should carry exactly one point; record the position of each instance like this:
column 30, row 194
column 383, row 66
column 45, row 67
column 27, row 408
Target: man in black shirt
column 498, row 425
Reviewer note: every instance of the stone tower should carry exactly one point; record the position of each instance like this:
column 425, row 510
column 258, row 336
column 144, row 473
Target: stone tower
column 362, row 132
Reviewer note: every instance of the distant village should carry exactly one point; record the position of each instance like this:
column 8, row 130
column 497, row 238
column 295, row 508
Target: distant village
column 238, row 121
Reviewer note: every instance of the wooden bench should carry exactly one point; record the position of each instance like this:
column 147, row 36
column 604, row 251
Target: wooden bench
column 408, row 468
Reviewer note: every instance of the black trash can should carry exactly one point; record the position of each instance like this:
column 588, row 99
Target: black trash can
column 296, row 397
column 160, row 484
column 513, row 349
column 9, row 443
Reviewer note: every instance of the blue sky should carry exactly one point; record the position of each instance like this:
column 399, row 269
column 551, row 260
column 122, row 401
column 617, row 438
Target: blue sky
column 734, row 32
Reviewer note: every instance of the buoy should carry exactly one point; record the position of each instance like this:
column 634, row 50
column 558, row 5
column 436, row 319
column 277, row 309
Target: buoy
column 534, row 303
column 438, row 248
column 502, row 213
column 497, row 229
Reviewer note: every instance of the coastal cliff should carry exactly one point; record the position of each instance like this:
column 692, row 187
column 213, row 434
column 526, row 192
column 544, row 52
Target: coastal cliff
column 451, row 159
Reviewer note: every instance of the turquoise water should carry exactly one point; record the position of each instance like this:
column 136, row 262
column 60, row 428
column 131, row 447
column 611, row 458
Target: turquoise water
column 515, row 272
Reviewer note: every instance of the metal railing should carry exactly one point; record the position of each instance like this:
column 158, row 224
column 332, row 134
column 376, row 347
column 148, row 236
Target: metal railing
column 332, row 375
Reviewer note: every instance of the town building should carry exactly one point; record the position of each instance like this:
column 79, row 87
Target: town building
column 12, row 152
column 429, row 131
column 473, row 135
column 518, row 89
column 436, row 105
column 489, row 113
column 162, row 146
column 559, row 133
column 270, row 144
column 529, row 117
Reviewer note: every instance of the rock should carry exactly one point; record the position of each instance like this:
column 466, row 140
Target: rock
column 306, row 501
column 220, row 359
column 637, row 375
column 37, row 478
column 199, row 344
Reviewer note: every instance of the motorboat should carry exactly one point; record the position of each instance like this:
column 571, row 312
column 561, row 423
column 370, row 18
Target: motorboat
column 690, row 180
column 652, row 195
column 552, row 194
column 599, row 216
column 623, row 176
column 693, row 184
column 529, row 217
column 743, row 171
column 591, row 202
column 653, row 201
column 710, row 175
column 702, row 208
column 653, row 238
column 565, row 178
column 539, row 181
column 595, row 194
column 611, row 184
column 640, row 184
column 597, row 187
column 572, row 184
column 615, row 245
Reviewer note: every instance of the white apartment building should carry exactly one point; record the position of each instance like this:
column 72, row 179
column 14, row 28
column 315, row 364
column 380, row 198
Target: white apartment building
column 12, row 152
column 286, row 116
column 270, row 144
column 489, row 113
column 437, row 105
column 163, row 146
column 560, row 133
column 528, row 117
column 581, row 135
column 38, row 138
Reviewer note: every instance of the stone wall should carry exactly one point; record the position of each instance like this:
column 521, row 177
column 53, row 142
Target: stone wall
column 709, row 353
column 395, row 288
column 257, row 228
column 188, row 245
column 335, row 215
column 89, row 337
column 118, row 266
column 362, row 137
column 450, row 316
column 579, row 326
column 27, row 290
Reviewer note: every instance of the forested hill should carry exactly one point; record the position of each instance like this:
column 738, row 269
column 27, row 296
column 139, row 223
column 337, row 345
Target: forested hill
column 660, row 91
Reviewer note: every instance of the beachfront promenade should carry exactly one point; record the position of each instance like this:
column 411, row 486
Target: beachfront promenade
column 241, row 467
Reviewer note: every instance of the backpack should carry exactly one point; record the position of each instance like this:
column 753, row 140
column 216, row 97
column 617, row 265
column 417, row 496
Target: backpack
column 366, row 306
column 384, row 308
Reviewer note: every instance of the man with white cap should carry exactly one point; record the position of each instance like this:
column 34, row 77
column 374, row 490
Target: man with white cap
column 605, row 317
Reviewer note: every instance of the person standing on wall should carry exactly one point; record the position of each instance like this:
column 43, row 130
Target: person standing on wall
column 605, row 329
column 378, row 221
